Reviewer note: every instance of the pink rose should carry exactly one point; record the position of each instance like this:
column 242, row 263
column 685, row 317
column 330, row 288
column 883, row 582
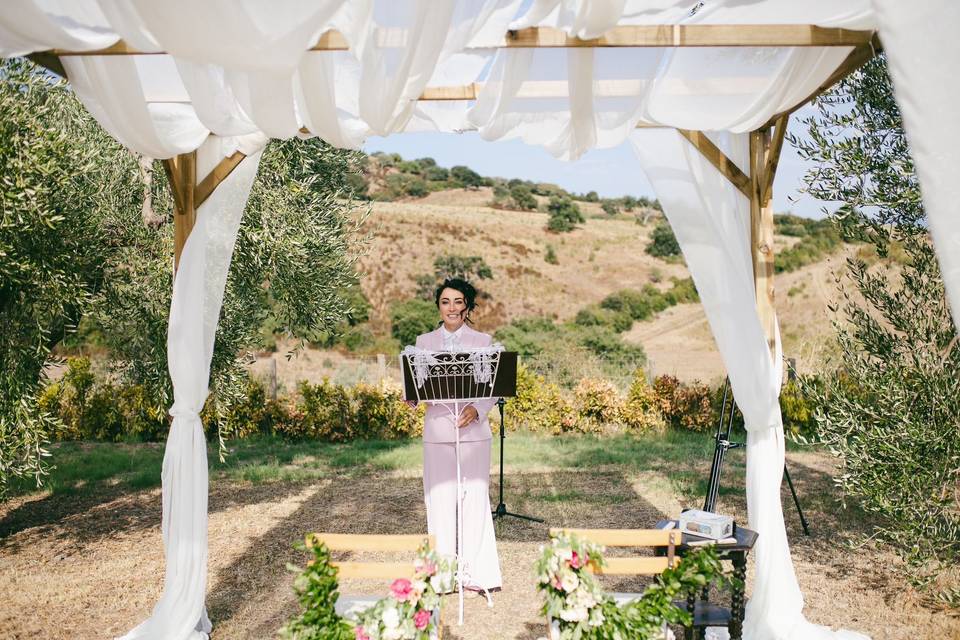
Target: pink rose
column 360, row 634
column 401, row 589
column 422, row 619
column 575, row 561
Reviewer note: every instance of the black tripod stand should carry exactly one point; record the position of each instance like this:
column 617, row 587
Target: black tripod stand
column 723, row 444
column 501, row 509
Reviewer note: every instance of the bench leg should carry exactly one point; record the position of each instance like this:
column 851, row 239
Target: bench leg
column 737, row 600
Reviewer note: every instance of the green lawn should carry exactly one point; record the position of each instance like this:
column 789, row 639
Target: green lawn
column 82, row 467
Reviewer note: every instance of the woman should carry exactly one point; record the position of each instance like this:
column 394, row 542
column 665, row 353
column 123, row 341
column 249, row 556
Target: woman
column 455, row 299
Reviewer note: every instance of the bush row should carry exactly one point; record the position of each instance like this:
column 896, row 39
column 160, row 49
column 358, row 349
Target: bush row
column 91, row 408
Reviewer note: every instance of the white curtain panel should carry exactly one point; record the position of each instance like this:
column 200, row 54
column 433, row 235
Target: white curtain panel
column 923, row 52
column 711, row 219
column 194, row 313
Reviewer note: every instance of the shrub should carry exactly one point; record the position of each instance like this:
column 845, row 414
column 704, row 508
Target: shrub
column 539, row 405
column 465, row 177
column 564, row 214
column 410, row 318
column 522, row 197
column 684, row 406
column 598, row 402
column 550, row 256
column 610, row 207
column 796, row 410
column 641, row 412
column 436, row 174
column 663, row 244
column 618, row 321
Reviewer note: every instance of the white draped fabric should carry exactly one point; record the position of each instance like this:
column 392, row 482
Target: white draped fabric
column 923, row 63
column 241, row 68
column 711, row 219
column 194, row 313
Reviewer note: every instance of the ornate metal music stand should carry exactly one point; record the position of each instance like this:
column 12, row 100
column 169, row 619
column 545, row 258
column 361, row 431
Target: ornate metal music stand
column 454, row 379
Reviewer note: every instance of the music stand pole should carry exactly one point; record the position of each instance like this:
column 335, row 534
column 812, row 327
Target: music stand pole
column 501, row 509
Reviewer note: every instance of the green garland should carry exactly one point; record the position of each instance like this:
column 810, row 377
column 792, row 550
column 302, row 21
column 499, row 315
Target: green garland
column 576, row 601
column 406, row 614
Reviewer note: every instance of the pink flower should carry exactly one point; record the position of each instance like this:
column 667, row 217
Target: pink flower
column 422, row 619
column 425, row 567
column 401, row 589
column 575, row 562
column 360, row 634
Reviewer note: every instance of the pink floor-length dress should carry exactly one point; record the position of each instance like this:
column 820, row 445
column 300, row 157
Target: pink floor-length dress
column 479, row 554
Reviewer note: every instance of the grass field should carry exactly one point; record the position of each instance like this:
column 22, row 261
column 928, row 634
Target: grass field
column 82, row 558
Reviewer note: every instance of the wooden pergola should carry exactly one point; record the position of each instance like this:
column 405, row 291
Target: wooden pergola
column 189, row 192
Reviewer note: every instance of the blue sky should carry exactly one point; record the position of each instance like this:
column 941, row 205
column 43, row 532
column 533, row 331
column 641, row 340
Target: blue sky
column 610, row 172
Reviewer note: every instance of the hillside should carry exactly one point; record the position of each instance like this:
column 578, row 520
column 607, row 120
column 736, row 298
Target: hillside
column 604, row 255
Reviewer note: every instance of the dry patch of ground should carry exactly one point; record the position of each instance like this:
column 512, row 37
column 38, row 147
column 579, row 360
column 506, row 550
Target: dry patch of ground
column 93, row 567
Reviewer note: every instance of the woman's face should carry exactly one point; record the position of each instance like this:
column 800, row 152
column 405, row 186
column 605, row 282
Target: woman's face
column 453, row 308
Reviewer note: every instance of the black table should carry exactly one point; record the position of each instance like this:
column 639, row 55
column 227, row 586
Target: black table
column 705, row 614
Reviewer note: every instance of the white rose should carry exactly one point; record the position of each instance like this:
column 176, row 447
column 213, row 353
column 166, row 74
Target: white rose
column 391, row 618
column 569, row 581
column 577, row 614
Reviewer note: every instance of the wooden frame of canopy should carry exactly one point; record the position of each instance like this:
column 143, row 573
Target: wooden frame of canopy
column 765, row 143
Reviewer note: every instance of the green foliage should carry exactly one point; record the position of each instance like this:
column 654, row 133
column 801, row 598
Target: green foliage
column 399, row 185
column 522, row 197
column 410, row 318
column 316, row 589
column 797, row 410
column 574, row 598
column 619, row 321
column 598, row 401
column 663, row 244
column 62, row 181
column 610, row 207
column 436, row 174
column 891, row 413
column 465, row 177
column 541, row 406
column 550, row 255
column 820, row 239
column 564, row 214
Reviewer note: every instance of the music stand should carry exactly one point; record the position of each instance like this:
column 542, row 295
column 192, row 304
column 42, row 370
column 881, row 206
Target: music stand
column 454, row 379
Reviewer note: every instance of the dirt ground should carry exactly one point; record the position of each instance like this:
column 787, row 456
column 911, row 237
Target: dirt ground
column 92, row 567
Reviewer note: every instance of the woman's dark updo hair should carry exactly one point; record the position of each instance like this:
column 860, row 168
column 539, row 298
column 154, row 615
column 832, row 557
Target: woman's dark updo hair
column 464, row 287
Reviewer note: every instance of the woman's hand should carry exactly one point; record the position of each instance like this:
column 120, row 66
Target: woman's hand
column 467, row 416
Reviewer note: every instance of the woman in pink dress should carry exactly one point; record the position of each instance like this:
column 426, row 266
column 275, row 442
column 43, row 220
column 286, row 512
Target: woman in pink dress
column 455, row 299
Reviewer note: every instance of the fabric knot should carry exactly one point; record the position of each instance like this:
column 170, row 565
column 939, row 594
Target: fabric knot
column 183, row 412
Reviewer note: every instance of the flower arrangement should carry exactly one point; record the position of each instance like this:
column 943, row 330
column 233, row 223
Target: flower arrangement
column 405, row 614
column 580, row 610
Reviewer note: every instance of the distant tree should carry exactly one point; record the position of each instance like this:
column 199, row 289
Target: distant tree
column 466, row 177
column 436, row 174
column 426, row 163
column 610, row 207
column 410, row 318
column 663, row 244
column 523, row 198
column 564, row 214
column 629, row 203
column 357, row 186
column 591, row 196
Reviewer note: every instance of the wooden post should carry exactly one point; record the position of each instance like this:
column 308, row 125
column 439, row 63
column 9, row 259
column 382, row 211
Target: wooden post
column 182, row 175
column 762, row 167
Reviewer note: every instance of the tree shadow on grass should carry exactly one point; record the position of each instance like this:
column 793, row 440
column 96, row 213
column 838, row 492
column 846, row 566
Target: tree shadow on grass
column 96, row 502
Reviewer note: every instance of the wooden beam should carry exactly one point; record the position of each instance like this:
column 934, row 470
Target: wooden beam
column 761, row 235
column 693, row 35
column 717, row 158
column 171, row 168
column 49, row 61
column 213, row 179
column 655, row 35
column 773, row 158
column 185, row 216
column 466, row 92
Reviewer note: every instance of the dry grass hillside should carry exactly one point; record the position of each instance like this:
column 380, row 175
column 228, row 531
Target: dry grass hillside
column 602, row 256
